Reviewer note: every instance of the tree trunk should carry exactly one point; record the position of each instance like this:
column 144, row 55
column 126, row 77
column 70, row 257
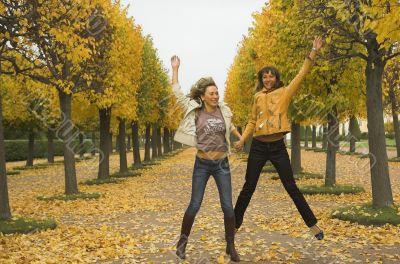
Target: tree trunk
column 154, row 153
column 147, row 144
column 343, row 130
column 295, row 159
column 159, row 142
column 50, row 145
column 5, row 212
column 81, row 146
column 66, row 134
column 396, row 127
column 166, row 140
column 171, row 142
column 123, row 163
column 117, row 139
column 307, row 132
column 314, row 137
column 128, row 146
column 324, row 137
column 105, row 138
column 94, row 143
column 31, row 147
column 135, row 145
column 333, row 144
column 110, row 143
column 352, row 133
column 380, row 180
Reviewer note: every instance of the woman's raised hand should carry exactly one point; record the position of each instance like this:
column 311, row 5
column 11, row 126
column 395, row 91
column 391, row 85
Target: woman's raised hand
column 317, row 44
column 175, row 62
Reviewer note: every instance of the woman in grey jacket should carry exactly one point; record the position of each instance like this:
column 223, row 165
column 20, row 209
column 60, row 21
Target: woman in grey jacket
column 207, row 126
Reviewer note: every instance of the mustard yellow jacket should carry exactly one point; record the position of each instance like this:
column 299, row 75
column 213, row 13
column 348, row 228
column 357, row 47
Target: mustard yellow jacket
column 269, row 111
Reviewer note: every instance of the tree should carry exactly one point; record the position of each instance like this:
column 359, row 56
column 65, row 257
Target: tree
column 56, row 47
column 148, row 98
column 366, row 30
column 12, row 15
column 114, row 73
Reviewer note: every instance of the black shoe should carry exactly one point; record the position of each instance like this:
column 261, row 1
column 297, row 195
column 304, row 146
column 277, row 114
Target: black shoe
column 320, row 234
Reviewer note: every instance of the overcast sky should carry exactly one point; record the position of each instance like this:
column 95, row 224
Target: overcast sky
column 204, row 34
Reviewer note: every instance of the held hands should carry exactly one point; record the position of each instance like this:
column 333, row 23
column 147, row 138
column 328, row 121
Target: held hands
column 175, row 62
column 238, row 145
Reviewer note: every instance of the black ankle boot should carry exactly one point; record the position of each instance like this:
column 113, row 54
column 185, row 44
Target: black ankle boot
column 187, row 224
column 230, row 238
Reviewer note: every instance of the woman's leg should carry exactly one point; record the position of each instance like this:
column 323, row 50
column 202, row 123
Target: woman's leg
column 201, row 174
column 222, row 176
column 280, row 159
column 255, row 163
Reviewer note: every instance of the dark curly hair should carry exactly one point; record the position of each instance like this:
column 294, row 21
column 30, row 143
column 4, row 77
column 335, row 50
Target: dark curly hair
column 272, row 70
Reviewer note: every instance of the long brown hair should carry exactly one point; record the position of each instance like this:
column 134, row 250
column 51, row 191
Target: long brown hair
column 199, row 88
column 272, row 70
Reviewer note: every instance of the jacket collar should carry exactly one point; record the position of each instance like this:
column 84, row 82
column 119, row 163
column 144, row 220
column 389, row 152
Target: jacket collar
column 265, row 90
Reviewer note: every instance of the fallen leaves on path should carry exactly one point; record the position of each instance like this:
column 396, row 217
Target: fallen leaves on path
column 138, row 221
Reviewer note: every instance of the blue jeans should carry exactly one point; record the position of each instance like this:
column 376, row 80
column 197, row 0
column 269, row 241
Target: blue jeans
column 202, row 171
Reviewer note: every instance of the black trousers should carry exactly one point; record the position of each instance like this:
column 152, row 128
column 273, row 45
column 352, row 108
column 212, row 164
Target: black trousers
column 260, row 153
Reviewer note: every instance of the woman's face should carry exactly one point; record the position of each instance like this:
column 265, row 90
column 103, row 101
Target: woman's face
column 269, row 80
column 211, row 96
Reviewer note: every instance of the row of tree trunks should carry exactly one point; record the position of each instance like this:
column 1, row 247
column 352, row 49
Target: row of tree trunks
column 135, row 145
column 166, row 141
column 147, row 143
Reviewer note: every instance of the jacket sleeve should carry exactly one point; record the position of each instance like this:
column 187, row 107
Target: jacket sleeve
column 181, row 98
column 248, row 132
column 294, row 85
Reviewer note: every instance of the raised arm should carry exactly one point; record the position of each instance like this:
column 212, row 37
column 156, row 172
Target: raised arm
column 307, row 65
column 181, row 98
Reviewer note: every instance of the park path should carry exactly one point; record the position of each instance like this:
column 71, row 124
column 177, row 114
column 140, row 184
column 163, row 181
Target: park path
column 138, row 221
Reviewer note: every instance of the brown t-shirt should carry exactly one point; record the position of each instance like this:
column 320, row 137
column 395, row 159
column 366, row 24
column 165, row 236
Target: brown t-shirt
column 210, row 129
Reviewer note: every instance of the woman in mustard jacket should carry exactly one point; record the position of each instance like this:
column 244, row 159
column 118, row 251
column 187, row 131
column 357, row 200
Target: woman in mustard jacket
column 267, row 125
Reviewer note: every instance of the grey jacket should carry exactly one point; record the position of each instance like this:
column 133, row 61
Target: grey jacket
column 186, row 132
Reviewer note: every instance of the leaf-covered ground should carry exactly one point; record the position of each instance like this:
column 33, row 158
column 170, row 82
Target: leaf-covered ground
column 138, row 221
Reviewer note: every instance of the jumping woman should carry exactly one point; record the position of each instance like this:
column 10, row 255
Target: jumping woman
column 267, row 125
column 207, row 126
